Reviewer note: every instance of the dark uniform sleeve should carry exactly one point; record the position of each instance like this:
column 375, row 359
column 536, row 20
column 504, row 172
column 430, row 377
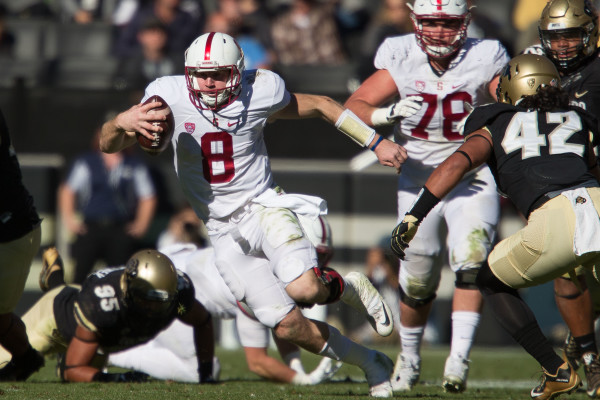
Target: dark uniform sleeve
column 483, row 116
column 591, row 122
column 186, row 294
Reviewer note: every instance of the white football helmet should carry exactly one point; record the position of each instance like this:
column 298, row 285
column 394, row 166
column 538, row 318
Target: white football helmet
column 318, row 231
column 436, row 46
column 214, row 51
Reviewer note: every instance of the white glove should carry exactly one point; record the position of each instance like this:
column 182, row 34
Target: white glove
column 460, row 126
column 402, row 109
column 324, row 371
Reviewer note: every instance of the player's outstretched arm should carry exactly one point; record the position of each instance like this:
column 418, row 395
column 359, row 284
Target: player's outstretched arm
column 201, row 320
column 312, row 106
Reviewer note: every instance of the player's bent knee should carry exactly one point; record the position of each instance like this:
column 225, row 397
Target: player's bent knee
column 306, row 289
column 413, row 301
column 465, row 279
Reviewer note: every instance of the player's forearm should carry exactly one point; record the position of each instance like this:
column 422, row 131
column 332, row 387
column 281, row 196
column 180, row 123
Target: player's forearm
column 113, row 138
column 361, row 108
column 81, row 374
column 445, row 177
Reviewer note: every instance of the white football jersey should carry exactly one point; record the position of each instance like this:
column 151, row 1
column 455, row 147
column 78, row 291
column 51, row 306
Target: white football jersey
column 430, row 135
column 220, row 156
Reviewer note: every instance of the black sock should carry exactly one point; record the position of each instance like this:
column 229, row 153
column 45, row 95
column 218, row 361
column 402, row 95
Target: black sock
column 56, row 278
column 586, row 343
column 535, row 343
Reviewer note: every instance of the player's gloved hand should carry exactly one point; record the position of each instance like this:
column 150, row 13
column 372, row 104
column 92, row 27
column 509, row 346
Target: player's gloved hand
column 536, row 49
column 131, row 376
column 403, row 233
column 401, row 109
column 460, row 126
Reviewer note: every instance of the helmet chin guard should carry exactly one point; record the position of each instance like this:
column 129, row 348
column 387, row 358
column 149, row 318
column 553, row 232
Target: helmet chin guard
column 210, row 52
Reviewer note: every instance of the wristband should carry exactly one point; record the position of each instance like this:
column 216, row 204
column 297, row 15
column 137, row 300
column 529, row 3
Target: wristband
column 377, row 143
column 425, row 202
column 350, row 125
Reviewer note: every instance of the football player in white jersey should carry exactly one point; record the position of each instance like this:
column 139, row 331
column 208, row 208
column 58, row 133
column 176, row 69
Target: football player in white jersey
column 220, row 110
column 442, row 73
column 171, row 354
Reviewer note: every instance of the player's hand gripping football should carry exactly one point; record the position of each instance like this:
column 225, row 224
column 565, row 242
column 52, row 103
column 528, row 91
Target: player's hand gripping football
column 403, row 233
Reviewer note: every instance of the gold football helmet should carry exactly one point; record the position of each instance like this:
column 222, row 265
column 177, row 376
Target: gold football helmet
column 524, row 75
column 149, row 283
column 569, row 32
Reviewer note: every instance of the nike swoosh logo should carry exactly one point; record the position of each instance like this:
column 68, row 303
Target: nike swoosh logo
column 387, row 319
column 229, row 124
column 580, row 94
column 457, row 86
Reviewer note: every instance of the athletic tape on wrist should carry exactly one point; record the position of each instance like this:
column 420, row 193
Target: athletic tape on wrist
column 350, row 125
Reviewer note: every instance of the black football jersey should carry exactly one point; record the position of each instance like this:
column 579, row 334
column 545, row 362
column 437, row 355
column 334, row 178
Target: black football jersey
column 535, row 152
column 583, row 85
column 18, row 215
column 100, row 307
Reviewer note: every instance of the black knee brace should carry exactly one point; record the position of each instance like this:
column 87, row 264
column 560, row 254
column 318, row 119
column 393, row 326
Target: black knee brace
column 466, row 279
column 411, row 301
column 488, row 283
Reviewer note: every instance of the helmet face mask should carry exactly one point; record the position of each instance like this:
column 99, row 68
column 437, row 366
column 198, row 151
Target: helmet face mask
column 440, row 25
column 524, row 75
column 219, row 56
column 149, row 283
column 568, row 32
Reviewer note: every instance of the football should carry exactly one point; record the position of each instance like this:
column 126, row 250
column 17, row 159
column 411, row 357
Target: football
column 161, row 139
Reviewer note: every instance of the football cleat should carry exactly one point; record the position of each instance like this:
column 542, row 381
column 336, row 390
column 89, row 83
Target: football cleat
column 591, row 366
column 360, row 293
column 378, row 373
column 455, row 374
column 406, row 373
column 571, row 352
column 565, row 380
column 21, row 368
column 51, row 262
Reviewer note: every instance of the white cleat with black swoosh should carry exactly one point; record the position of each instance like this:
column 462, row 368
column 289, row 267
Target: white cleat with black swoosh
column 360, row 293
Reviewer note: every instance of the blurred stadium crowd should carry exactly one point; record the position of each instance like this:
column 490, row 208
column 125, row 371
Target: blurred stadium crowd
column 124, row 44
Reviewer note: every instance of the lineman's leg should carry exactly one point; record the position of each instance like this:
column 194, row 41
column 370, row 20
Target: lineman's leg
column 419, row 277
column 16, row 257
column 538, row 253
column 575, row 306
column 471, row 213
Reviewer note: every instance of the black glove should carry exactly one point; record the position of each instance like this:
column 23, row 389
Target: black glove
column 403, row 233
column 205, row 372
column 131, row 376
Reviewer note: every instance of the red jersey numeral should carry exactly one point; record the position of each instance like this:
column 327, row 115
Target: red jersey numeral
column 217, row 157
column 431, row 102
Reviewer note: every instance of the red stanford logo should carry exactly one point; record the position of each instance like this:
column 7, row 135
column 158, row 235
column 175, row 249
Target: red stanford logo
column 190, row 127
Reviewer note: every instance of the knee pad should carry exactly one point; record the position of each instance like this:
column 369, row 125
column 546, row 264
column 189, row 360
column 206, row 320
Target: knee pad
column 419, row 278
column 333, row 280
column 411, row 301
column 465, row 279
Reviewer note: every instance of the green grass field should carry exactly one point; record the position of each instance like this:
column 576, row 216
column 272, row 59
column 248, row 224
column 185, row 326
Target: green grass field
column 496, row 373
